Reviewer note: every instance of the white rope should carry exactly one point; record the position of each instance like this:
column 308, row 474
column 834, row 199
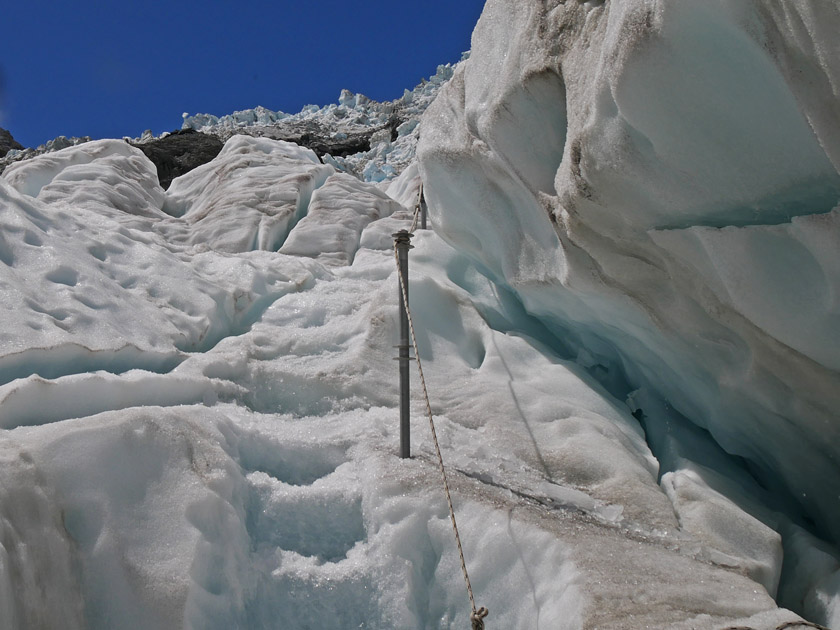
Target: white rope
column 416, row 216
column 476, row 616
column 417, row 208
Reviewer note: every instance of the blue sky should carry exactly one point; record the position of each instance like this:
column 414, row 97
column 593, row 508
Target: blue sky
column 111, row 69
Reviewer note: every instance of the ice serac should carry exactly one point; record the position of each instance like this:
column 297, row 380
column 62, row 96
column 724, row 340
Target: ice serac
column 658, row 182
column 338, row 213
column 267, row 182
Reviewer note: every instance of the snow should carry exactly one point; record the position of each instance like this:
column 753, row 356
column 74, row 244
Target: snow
column 659, row 186
column 269, row 190
column 337, row 215
column 214, row 437
column 627, row 329
column 191, row 467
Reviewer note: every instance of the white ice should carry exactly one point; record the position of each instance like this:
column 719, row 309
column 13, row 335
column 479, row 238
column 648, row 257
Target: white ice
column 201, row 433
column 198, row 397
column 658, row 183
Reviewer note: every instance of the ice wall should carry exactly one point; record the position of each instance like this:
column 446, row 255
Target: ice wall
column 658, row 181
column 199, row 432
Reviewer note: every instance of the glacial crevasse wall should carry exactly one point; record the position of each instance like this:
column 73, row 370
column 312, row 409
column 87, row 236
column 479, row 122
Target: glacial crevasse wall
column 658, row 181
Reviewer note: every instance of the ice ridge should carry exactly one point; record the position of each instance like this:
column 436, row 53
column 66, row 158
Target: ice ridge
column 372, row 140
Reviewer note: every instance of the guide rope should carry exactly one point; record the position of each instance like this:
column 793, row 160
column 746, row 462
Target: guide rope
column 417, row 209
column 784, row 626
column 477, row 615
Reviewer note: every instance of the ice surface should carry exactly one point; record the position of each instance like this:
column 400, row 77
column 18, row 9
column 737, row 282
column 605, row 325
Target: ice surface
column 659, row 185
column 198, row 398
column 105, row 174
column 814, row 582
column 337, row 215
column 267, row 183
column 102, row 282
column 202, row 434
column 782, row 265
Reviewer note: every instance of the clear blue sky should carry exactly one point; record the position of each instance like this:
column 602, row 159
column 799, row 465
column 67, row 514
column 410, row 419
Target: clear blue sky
column 114, row 68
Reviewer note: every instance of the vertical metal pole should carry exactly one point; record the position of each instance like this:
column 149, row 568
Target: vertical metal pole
column 422, row 209
column 402, row 239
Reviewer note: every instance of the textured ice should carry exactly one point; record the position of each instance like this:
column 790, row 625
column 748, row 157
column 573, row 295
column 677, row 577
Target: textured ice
column 659, row 185
column 629, row 349
column 77, row 177
column 266, row 184
column 201, row 433
column 337, row 215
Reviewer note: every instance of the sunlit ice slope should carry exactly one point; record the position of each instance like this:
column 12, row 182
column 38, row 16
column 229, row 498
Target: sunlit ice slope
column 658, row 183
column 626, row 313
column 198, row 422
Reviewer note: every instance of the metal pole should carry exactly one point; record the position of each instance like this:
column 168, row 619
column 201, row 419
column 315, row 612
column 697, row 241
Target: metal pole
column 402, row 239
column 422, row 209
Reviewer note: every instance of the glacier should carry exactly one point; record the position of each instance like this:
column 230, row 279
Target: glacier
column 658, row 182
column 626, row 311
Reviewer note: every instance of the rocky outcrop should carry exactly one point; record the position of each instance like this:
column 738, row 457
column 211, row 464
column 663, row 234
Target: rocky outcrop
column 183, row 150
column 372, row 140
column 180, row 152
column 323, row 141
column 7, row 142
column 321, row 137
column 23, row 154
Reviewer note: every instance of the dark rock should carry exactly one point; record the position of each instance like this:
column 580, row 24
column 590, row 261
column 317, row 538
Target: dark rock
column 322, row 139
column 348, row 146
column 180, row 152
column 183, row 150
column 394, row 122
column 313, row 137
column 7, row 142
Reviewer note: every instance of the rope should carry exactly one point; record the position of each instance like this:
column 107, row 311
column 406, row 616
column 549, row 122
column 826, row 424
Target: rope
column 417, row 208
column 477, row 615
column 416, row 216
column 784, row 626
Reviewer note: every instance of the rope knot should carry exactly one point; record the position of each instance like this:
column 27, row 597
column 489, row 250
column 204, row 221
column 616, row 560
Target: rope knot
column 477, row 618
